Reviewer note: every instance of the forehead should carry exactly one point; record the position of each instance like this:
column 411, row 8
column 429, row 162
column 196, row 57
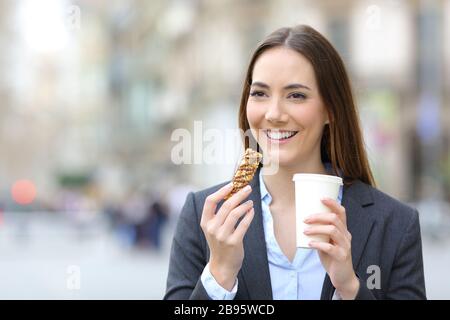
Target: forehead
column 280, row 65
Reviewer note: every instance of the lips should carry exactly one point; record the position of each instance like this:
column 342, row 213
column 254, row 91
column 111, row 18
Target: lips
column 280, row 135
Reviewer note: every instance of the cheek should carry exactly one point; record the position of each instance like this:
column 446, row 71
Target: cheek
column 309, row 116
column 254, row 114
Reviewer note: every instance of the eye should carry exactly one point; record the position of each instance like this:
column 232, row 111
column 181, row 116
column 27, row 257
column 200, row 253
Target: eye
column 258, row 94
column 297, row 95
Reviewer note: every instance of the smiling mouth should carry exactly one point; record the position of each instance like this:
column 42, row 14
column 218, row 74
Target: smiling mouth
column 280, row 134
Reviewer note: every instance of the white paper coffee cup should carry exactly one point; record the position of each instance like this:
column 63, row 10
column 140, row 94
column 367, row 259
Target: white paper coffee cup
column 309, row 190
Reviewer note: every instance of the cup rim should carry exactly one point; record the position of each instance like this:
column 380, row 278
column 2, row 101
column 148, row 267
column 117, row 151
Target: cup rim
column 317, row 177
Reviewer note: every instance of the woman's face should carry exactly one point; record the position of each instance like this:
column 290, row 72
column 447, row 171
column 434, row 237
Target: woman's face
column 284, row 109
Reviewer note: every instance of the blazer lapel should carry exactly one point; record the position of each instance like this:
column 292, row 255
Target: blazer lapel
column 255, row 267
column 359, row 223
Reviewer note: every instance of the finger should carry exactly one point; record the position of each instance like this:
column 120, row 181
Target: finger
column 328, row 218
column 336, row 208
column 230, row 204
column 230, row 222
column 209, row 208
column 239, row 233
column 325, row 247
column 333, row 251
column 330, row 230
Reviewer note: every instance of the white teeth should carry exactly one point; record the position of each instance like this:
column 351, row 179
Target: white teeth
column 280, row 135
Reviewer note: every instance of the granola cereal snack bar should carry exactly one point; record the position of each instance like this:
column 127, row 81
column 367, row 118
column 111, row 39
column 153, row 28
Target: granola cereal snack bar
column 246, row 170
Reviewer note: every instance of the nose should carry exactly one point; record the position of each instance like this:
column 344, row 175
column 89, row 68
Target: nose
column 275, row 113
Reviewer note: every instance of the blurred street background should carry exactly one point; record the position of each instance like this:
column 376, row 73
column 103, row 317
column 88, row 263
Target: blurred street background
column 93, row 91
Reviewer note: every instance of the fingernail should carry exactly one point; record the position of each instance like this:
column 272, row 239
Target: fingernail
column 247, row 188
column 250, row 202
column 306, row 220
column 325, row 199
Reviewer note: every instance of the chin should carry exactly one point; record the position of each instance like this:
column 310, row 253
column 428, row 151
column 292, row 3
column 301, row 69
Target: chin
column 284, row 158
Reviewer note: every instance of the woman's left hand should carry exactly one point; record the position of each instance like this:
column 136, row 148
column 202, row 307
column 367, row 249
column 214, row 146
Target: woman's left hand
column 336, row 256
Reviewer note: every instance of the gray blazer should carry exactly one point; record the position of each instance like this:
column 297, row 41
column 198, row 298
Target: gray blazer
column 385, row 233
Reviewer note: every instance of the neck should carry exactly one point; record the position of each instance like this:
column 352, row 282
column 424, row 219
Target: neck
column 279, row 182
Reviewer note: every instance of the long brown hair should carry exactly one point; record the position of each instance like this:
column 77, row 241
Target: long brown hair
column 342, row 140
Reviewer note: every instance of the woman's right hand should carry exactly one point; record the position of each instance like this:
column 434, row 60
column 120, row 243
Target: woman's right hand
column 224, row 240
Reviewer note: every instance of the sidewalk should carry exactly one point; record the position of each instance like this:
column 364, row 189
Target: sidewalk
column 38, row 266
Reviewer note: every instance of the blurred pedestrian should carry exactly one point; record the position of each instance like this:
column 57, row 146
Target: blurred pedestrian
column 159, row 215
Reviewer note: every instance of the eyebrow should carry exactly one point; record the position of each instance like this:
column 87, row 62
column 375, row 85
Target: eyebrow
column 288, row 87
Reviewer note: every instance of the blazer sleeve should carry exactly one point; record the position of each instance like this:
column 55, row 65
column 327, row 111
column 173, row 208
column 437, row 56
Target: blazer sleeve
column 187, row 257
column 407, row 278
column 407, row 281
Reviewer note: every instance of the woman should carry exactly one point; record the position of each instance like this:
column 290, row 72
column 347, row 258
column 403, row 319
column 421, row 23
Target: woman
column 298, row 105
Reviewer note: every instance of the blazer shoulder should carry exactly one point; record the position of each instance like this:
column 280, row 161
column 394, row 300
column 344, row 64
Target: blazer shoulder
column 210, row 190
column 200, row 196
column 389, row 205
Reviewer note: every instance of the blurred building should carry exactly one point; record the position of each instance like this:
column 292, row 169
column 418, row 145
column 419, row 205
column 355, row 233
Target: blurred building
column 94, row 89
column 94, row 92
